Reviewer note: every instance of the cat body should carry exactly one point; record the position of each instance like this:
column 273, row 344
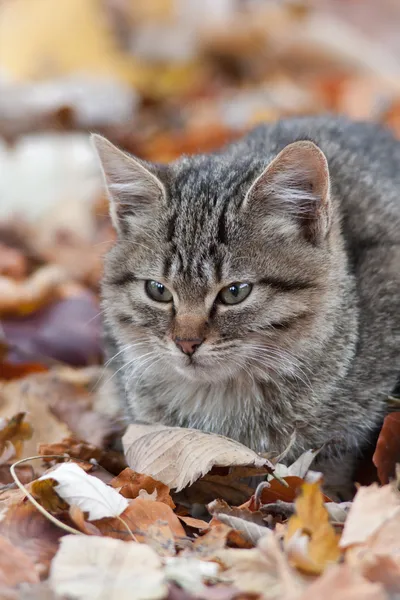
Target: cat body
column 301, row 219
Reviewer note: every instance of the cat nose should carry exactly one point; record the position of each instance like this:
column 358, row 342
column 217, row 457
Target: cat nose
column 188, row 346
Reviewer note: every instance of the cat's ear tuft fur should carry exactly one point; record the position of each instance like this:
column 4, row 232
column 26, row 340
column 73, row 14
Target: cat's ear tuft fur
column 132, row 188
column 296, row 183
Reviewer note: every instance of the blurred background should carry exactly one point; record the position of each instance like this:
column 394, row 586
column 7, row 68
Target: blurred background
column 159, row 78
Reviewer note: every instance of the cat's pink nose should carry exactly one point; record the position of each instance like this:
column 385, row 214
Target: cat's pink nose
column 188, row 346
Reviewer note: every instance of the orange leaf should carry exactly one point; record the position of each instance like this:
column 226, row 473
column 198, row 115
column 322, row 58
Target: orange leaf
column 131, row 483
column 139, row 516
column 387, row 451
column 310, row 541
column 16, row 371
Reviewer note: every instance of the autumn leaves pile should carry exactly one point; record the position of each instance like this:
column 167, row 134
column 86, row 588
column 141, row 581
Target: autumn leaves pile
column 174, row 513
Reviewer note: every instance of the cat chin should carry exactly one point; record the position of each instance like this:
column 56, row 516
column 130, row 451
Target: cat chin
column 202, row 373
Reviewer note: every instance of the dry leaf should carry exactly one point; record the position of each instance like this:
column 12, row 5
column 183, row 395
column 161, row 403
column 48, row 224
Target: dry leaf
column 12, row 262
column 130, row 484
column 15, row 566
column 14, row 431
column 110, row 460
column 27, row 529
column 371, row 508
column 43, row 491
column 310, row 541
column 140, row 515
column 387, row 451
column 87, row 492
column 25, row 297
column 250, row 524
column 86, row 568
column 191, row 574
column 212, row 541
column 178, row 456
column 15, row 398
column 300, row 467
column 341, row 582
column 194, row 523
column 263, row 570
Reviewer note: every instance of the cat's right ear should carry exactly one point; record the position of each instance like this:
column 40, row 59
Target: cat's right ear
column 133, row 189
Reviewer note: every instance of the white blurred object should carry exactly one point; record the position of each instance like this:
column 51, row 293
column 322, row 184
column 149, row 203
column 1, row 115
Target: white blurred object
column 93, row 101
column 42, row 170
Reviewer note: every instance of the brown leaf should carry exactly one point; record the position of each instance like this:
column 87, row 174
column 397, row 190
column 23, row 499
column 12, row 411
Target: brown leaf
column 250, row 524
column 131, row 483
column 212, row 541
column 387, row 451
column 10, row 370
column 12, row 262
column 194, row 523
column 139, row 516
column 25, row 474
column 15, row 398
column 56, row 407
column 178, row 456
column 310, row 541
column 16, row 431
column 27, row 529
column 78, row 518
column 110, row 460
column 15, row 566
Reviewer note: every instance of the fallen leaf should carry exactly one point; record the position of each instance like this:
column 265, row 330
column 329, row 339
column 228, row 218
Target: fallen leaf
column 250, row 524
column 45, row 427
column 87, row 567
column 27, row 529
column 25, row 297
column 212, row 541
column 229, row 487
column 340, row 581
column 87, row 492
column 78, row 518
column 194, row 523
column 110, row 460
column 372, row 507
column 263, row 570
column 300, row 467
column 43, row 491
column 191, row 573
column 67, row 330
column 310, row 541
column 178, row 456
column 15, row 566
column 140, row 515
column 10, row 370
column 130, row 484
column 387, row 451
column 12, row 262
column 14, row 431
column 56, row 407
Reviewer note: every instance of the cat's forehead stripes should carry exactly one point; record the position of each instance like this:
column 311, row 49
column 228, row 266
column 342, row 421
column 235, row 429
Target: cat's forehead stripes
column 203, row 202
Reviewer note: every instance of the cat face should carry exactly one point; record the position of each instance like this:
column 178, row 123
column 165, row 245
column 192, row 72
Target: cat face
column 218, row 268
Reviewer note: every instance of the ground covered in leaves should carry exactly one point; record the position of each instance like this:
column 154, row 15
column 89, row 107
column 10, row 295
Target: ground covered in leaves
column 167, row 513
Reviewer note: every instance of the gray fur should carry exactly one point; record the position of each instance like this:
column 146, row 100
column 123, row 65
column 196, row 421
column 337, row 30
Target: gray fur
column 315, row 348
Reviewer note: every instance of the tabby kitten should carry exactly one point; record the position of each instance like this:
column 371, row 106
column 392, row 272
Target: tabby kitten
column 254, row 292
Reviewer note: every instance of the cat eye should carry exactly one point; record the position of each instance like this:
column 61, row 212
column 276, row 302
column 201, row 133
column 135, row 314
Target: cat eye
column 234, row 293
column 157, row 291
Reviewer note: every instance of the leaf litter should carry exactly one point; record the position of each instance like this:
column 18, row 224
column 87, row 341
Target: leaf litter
column 174, row 516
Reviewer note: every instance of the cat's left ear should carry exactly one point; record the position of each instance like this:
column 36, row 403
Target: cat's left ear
column 296, row 184
column 133, row 189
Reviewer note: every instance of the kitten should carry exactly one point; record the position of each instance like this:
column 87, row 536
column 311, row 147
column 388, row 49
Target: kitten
column 254, row 292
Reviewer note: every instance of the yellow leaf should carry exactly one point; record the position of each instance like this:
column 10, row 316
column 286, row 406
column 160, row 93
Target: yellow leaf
column 310, row 541
column 44, row 38
column 43, row 491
